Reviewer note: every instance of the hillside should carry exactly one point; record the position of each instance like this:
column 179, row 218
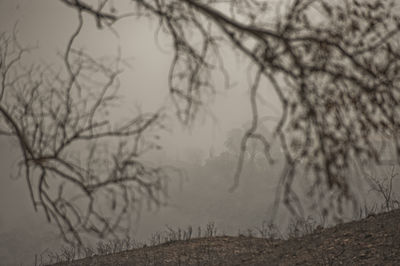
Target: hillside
column 371, row 241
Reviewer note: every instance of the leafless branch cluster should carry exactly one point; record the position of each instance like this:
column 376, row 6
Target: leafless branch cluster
column 383, row 186
column 333, row 64
column 85, row 172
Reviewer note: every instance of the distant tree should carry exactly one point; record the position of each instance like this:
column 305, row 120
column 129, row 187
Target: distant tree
column 232, row 142
column 334, row 65
column 252, row 151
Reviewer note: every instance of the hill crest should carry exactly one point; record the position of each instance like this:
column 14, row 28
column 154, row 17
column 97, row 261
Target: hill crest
column 374, row 240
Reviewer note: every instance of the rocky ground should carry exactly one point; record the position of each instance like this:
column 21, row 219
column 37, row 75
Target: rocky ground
column 371, row 241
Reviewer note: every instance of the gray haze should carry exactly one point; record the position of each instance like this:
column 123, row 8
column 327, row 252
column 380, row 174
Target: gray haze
column 199, row 198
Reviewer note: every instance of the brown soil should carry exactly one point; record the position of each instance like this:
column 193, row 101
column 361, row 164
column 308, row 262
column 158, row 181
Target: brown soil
column 371, row 241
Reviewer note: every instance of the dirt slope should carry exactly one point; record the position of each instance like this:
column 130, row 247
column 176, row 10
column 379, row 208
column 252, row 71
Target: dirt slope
column 372, row 241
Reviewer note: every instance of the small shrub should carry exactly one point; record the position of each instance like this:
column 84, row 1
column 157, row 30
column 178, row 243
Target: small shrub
column 299, row 227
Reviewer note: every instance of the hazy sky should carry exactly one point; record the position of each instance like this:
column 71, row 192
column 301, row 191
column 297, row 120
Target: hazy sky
column 48, row 25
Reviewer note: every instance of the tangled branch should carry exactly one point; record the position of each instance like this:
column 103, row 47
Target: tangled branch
column 86, row 173
column 334, row 66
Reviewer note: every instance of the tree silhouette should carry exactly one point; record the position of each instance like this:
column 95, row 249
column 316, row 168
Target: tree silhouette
column 334, row 65
column 84, row 172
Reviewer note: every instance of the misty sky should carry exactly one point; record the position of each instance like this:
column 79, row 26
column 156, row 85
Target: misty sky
column 47, row 26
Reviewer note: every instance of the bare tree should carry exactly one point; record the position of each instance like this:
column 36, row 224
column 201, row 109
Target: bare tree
column 85, row 173
column 383, row 186
column 333, row 64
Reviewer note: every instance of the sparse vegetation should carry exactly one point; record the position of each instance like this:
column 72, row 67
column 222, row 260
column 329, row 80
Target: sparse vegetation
column 107, row 247
column 207, row 252
column 369, row 241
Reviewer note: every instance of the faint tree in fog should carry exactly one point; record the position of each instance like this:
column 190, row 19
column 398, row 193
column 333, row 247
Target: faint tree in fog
column 334, row 66
column 83, row 171
column 253, row 150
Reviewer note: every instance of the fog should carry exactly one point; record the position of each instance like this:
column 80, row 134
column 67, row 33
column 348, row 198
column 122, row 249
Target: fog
column 199, row 196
